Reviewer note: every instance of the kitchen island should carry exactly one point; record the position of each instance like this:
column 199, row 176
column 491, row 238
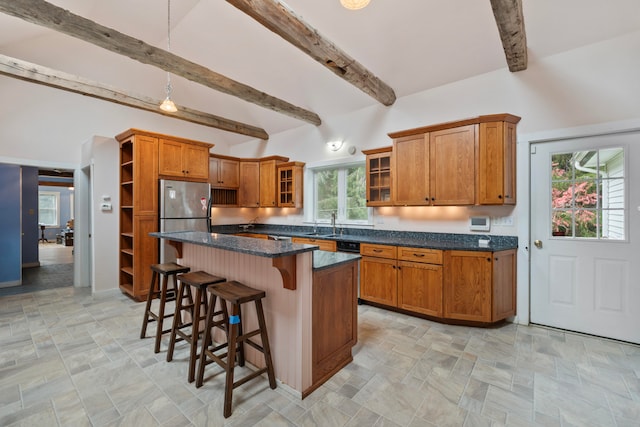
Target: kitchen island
column 310, row 305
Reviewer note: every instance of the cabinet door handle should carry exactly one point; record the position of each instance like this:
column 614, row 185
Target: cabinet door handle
column 499, row 196
column 489, row 259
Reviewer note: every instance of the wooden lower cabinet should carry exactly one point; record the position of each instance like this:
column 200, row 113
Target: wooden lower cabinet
column 473, row 286
column 420, row 287
column 378, row 280
column 480, row 286
column 335, row 319
column 325, row 245
column 145, row 253
column 254, row 235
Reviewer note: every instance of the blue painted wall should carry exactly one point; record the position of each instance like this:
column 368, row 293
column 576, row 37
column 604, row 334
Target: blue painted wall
column 10, row 233
column 30, row 230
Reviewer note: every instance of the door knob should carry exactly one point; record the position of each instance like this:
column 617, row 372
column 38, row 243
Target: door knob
column 538, row 243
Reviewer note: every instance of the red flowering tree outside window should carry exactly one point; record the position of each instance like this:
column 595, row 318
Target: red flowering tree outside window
column 574, row 198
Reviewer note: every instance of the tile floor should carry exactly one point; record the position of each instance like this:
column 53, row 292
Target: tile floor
column 55, row 271
column 71, row 359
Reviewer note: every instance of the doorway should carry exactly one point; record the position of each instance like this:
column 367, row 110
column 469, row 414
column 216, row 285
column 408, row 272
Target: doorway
column 585, row 221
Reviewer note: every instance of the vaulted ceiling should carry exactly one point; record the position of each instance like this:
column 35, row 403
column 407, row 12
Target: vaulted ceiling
column 409, row 45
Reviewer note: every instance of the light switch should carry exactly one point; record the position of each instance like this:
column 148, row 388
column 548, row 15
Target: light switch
column 106, row 207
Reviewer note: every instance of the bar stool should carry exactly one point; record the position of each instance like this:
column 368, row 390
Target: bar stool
column 159, row 289
column 236, row 294
column 181, row 331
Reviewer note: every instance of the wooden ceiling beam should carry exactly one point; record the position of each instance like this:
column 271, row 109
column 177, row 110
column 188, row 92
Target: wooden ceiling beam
column 278, row 18
column 46, row 76
column 48, row 15
column 510, row 20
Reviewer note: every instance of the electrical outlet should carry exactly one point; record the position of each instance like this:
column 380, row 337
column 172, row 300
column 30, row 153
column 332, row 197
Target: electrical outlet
column 502, row 220
column 483, row 243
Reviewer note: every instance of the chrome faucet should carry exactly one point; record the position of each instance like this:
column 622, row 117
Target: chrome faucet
column 333, row 223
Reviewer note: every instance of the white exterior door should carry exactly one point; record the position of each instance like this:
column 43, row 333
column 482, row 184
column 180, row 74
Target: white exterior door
column 585, row 235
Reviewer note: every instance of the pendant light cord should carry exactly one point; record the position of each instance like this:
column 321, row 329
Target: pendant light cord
column 169, row 88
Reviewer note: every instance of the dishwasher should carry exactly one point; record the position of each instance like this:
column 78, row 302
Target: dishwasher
column 354, row 248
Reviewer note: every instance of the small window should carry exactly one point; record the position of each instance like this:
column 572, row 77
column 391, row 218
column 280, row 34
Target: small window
column 588, row 194
column 49, row 208
column 341, row 190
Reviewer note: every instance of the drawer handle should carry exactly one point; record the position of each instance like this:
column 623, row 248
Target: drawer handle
column 418, row 255
column 377, row 250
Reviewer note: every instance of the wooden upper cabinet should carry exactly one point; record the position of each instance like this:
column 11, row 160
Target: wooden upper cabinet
column 452, row 178
column 466, row 162
column 378, row 176
column 290, row 184
column 145, row 175
column 411, row 170
column 269, row 181
column 224, row 172
column 170, row 158
column 249, row 193
column 497, row 163
column 181, row 159
column 436, row 168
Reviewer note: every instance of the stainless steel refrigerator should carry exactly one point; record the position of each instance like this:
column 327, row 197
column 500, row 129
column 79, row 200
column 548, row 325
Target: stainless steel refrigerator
column 184, row 206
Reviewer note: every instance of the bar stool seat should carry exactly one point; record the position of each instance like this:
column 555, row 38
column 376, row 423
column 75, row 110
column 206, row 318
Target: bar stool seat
column 181, row 331
column 236, row 294
column 159, row 289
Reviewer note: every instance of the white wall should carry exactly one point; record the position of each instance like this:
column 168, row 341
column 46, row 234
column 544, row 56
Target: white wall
column 596, row 84
column 590, row 85
column 101, row 155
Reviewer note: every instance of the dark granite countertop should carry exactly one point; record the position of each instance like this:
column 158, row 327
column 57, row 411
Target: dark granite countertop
column 443, row 241
column 325, row 259
column 258, row 247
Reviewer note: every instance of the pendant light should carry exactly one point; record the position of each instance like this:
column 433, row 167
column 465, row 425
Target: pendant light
column 354, row 4
column 168, row 105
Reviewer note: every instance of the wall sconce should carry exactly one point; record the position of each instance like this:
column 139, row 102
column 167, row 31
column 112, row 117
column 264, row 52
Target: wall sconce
column 334, row 145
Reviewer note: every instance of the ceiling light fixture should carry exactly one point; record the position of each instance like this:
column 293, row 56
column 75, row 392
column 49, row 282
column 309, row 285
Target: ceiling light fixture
column 334, row 145
column 354, row 4
column 168, row 105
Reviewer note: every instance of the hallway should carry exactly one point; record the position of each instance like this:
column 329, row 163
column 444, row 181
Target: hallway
column 55, row 271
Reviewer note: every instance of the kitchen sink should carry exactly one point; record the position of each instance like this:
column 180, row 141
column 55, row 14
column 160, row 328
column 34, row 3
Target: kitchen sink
column 316, row 234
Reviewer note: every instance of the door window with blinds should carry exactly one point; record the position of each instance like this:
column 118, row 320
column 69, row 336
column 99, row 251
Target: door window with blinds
column 588, row 194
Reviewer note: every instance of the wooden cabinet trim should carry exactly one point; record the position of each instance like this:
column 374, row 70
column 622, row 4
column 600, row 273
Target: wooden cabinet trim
column 510, row 118
column 139, row 132
column 377, row 150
